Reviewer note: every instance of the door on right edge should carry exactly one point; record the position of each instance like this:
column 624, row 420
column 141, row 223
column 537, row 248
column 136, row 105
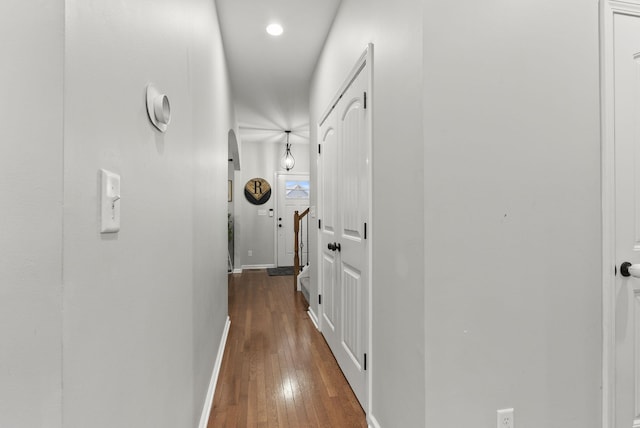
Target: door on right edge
column 344, row 137
column 627, row 219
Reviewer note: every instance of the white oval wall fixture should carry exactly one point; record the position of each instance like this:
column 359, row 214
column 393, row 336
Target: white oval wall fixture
column 158, row 108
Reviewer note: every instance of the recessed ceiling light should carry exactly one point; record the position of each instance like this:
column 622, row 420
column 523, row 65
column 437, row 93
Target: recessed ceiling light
column 274, row 29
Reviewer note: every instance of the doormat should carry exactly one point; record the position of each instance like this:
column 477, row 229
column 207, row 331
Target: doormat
column 280, row 271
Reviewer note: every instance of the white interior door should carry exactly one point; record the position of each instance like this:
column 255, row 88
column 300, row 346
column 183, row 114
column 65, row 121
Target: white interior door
column 293, row 195
column 344, row 136
column 627, row 219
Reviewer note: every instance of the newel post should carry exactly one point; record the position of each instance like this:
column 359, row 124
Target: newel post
column 296, row 257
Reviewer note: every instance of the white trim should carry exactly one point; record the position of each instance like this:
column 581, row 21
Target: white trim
column 608, row 206
column 250, row 267
column 206, row 410
column 628, row 7
column 371, row 420
column 313, row 317
column 239, row 270
column 319, row 216
column 362, row 61
column 368, row 58
column 276, row 212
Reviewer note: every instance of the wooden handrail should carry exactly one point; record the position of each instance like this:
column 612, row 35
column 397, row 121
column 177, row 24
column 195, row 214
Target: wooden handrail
column 304, row 213
column 296, row 258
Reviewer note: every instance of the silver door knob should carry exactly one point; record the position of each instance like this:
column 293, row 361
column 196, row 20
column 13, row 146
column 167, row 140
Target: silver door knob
column 628, row 269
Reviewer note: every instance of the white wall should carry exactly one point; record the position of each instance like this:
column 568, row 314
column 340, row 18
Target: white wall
column 144, row 310
column 32, row 44
column 512, row 206
column 395, row 28
column 212, row 118
column 254, row 232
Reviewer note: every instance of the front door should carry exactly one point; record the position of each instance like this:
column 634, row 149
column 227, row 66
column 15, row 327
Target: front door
column 627, row 219
column 344, row 175
column 293, row 195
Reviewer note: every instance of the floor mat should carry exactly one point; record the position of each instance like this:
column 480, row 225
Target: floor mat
column 280, row 271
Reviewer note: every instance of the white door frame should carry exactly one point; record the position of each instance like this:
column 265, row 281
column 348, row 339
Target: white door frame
column 365, row 59
column 276, row 190
column 608, row 10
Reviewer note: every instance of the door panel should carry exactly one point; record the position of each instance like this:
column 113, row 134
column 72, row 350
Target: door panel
column 329, row 172
column 353, row 134
column 329, row 302
column 627, row 218
column 351, row 327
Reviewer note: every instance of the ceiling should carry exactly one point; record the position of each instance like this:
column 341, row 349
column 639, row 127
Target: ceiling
column 270, row 76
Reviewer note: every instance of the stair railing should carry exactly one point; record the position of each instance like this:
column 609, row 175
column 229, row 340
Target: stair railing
column 297, row 220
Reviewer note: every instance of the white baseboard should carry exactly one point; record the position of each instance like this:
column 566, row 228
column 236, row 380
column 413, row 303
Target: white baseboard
column 314, row 318
column 237, row 270
column 373, row 423
column 258, row 266
column 206, row 411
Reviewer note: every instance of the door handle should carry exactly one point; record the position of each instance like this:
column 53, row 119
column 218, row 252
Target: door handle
column 628, row 269
column 333, row 247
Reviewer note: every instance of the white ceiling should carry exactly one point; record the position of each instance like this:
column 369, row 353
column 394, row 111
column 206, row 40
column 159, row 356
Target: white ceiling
column 270, row 75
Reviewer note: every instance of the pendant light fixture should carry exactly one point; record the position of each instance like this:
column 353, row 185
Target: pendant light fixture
column 287, row 160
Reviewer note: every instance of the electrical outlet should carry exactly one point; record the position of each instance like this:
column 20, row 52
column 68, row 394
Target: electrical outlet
column 505, row 419
column 250, row 253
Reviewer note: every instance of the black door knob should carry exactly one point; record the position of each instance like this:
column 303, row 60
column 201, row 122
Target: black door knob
column 331, row 246
column 279, row 225
column 624, row 269
column 628, row 269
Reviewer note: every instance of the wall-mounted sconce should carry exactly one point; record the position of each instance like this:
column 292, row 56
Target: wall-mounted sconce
column 158, row 108
column 288, row 161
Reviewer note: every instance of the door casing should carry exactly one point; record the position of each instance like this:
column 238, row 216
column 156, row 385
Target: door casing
column 365, row 59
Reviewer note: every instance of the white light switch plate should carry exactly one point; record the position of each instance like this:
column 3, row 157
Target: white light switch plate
column 109, row 201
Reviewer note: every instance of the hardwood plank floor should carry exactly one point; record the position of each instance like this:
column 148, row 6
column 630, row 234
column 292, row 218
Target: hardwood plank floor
column 277, row 370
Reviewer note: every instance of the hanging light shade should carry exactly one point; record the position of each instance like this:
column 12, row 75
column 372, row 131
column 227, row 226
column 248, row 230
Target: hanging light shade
column 288, row 161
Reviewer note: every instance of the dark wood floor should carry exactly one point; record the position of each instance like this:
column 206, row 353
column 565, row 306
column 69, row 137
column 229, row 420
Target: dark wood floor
column 277, row 369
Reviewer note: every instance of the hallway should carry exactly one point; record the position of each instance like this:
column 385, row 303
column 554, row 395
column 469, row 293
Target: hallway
column 502, row 172
column 277, row 369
